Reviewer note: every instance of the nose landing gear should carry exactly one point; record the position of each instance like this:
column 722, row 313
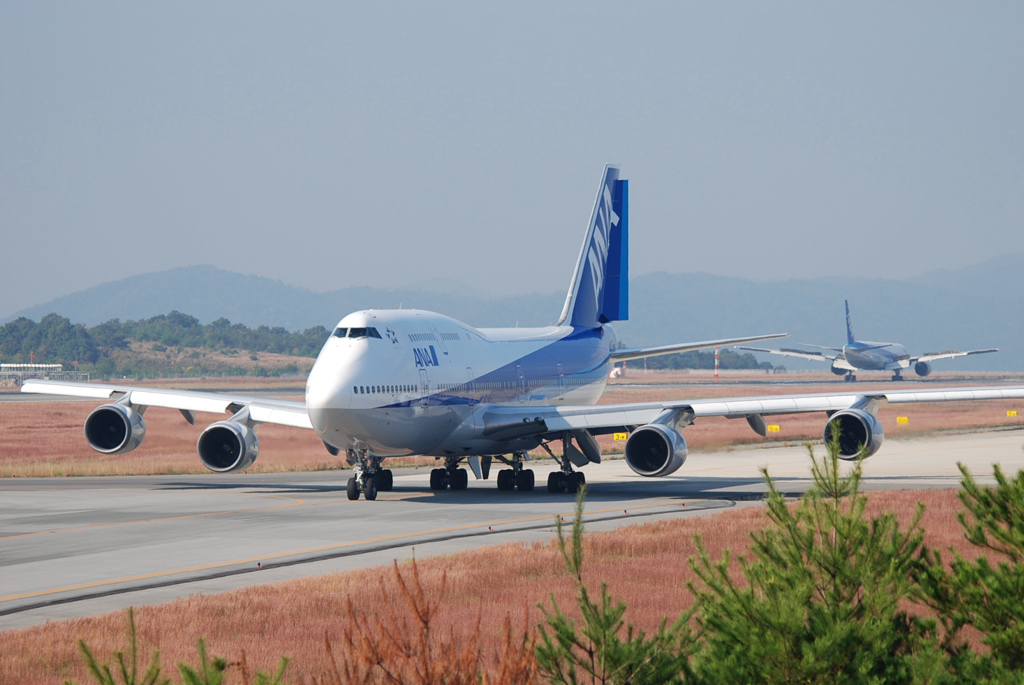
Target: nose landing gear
column 368, row 477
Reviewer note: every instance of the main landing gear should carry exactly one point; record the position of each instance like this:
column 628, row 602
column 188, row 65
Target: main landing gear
column 451, row 476
column 564, row 479
column 516, row 478
column 850, row 378
column 369, row 478
column 897, row 377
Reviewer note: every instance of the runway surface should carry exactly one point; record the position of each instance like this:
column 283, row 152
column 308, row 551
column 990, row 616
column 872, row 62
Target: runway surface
column 79, row 546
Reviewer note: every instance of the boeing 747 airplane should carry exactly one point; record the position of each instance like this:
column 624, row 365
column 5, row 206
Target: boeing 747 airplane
column 391, row 383
column 869, row 356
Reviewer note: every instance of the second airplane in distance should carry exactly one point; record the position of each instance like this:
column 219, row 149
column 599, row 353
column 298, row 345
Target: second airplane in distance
column 858, row 355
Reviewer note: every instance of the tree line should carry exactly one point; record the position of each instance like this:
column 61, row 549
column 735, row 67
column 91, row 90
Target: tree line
column 55, row 340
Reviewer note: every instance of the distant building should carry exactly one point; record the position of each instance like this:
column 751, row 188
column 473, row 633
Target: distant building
column 16, row 374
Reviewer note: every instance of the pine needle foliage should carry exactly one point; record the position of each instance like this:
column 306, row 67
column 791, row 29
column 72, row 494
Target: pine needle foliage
column 987, row 597
column 127, row 665
column 210, row 670
column 819, row 598
column 603, row 649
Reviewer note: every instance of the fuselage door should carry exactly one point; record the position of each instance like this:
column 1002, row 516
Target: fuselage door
column 470, row 386
column 522, row 383
column 424, row 386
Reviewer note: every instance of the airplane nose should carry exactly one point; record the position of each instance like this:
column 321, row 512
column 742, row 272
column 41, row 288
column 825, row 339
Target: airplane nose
column 325, row 396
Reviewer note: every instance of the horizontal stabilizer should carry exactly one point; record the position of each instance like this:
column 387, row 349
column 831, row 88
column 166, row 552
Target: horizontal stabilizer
column 790, row 352
column 821, row 347
column 626, row 354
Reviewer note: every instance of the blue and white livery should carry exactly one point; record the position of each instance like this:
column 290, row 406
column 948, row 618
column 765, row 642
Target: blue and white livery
column 391, row 383
column 861, row 355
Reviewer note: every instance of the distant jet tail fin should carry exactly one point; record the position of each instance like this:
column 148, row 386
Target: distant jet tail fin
column 599, row 292
column 849, row 325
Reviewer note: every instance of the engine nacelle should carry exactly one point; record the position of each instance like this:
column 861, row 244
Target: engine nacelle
column 655, row 450
column 228, row 446
column 922, row 368
column 114, row 429
column 837, row 371
column 856, row 428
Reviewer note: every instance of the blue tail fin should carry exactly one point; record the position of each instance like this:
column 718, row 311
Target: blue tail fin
column 849, row 326
column 600, row 284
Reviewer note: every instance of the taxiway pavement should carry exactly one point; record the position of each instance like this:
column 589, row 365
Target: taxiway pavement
column 79, row 546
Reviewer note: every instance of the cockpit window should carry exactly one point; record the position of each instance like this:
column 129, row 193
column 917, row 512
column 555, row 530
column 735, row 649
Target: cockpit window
column 363, row 333
column 340, row 332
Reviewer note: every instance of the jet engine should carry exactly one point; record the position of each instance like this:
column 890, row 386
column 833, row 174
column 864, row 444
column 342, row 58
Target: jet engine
column 228, row 446
column 839, row 372
column 856, row 428
column 114, row 429
column 922, row 368
column 655, row 450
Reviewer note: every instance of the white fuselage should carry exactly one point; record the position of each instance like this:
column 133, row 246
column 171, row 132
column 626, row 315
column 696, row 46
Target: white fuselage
column 403, row 382
column 874, row 356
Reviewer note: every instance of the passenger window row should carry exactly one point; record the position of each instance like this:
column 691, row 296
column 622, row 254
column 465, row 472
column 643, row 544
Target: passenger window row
column 383, row 389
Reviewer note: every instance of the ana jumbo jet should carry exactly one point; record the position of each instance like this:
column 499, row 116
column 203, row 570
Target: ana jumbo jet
column 869, row 356
column 405, row 382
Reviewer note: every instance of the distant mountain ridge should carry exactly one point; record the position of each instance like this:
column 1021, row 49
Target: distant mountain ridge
column 979, row 306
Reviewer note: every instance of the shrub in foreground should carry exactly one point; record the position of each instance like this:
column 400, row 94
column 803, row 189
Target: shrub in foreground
column 598, row 651
column 988, row 598
column 822, row 594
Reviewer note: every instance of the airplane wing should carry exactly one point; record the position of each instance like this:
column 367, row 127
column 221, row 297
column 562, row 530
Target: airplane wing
column 803, row 354
column 626, row 354
column 608, row 418
column 949, row 354
column 284, row 412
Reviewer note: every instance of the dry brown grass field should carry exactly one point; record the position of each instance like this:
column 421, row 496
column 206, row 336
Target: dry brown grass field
column 45, row 439
column 644, row 565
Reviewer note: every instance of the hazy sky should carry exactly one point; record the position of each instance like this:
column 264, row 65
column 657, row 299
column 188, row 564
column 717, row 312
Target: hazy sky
column 330, row 145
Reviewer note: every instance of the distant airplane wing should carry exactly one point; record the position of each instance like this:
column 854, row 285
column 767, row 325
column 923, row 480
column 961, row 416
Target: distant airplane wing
column 821, row 347
column 626, row 354
column 789, row 352
column 505, row 421
column 284, row 412
column 949, row 354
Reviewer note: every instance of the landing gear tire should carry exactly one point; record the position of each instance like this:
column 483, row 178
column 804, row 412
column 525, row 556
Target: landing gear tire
column 574, row 481
column 556, row 482
column 370, row 487
column 438, row 479
column 385, row 480
column 458, row 479
column 524, row 480
column 352, row 488
column 506, row 480
column 897, row 377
